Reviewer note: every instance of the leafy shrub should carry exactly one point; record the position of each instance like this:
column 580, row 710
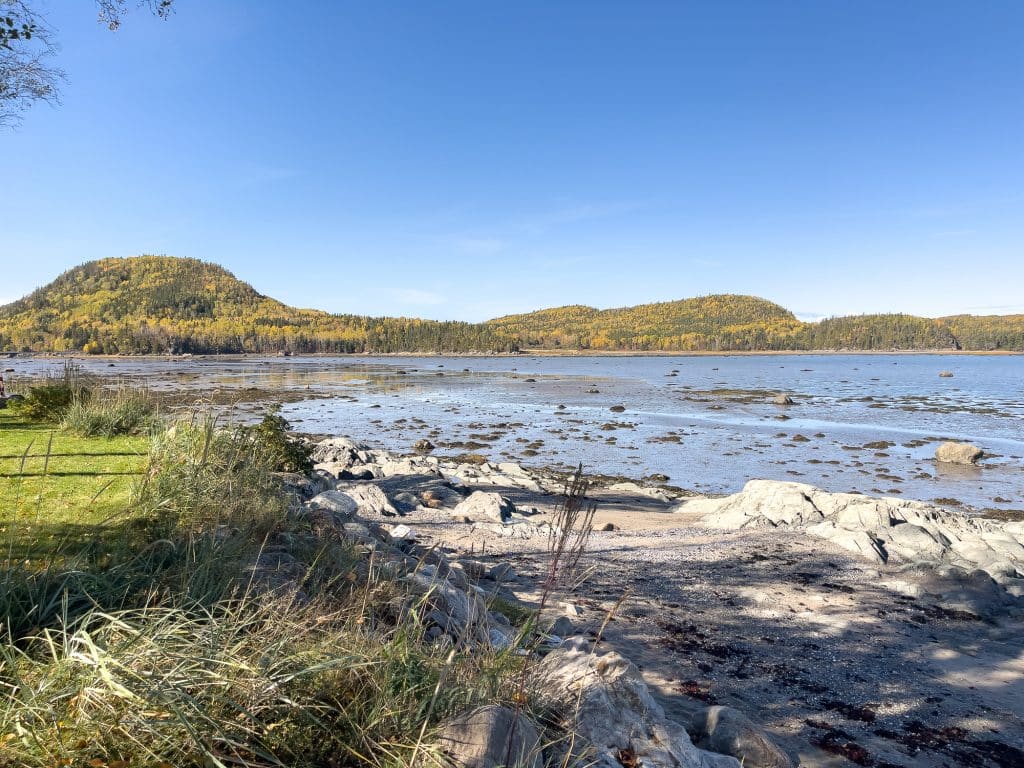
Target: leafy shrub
column 45, row 402
column 128, row 411
column 284, row 452
column 50, row 400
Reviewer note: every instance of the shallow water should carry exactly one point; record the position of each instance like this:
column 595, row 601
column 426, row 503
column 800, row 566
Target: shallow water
column 710, row 427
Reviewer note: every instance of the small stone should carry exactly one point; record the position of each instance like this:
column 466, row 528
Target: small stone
column 402, row 533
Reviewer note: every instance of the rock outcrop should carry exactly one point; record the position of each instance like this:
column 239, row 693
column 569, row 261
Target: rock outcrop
column 605, row 702
column 885, row 530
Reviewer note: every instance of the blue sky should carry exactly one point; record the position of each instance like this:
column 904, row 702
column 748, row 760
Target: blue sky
column 470, row 159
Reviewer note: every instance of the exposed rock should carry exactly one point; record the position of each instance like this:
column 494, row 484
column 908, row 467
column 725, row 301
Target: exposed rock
column 562, row 626
column 300, row 485
column 729, row 732
column 409, row 466
column 370, row 500
column 491, row 737
column 958, row 453
column 639, row 490
column 886, row 530
column 572, row 610
column 440, row 496
column 782, row 399
column 764, row 503
column 338, row 449
column 501, row 572
column 483, row 505
column 402, row 533
column 605, row 702
column 461, row 613
column 335, row 501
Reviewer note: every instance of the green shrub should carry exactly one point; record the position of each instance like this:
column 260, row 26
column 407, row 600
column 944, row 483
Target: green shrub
column 126, row 411
column 285, row 453
column 47, row 402
column 50, row 400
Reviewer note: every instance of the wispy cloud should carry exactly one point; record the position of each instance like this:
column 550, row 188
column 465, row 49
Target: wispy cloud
column 418, row 297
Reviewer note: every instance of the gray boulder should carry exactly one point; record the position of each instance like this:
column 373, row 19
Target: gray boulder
column 491, row 737
column 370, row 500
column 338, row 449
column 423, row 446
column 464, row 612
column 337, row 502
column 605, row 703
column 958, row 453
column 729, row 732
column 481, row 505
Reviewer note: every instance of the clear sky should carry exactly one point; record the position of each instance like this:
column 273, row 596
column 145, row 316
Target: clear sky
column 474, row 158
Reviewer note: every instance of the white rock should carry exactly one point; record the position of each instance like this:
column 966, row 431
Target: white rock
column 402, row 533
column 605, row 702
column 483, row 505
column 370, row 499
column 640, row 490
column 336, row 501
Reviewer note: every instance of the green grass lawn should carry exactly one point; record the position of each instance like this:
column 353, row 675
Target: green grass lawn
column 54, row 485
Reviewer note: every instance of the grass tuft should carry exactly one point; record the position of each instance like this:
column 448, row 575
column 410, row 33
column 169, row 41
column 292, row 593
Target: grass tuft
column 128, row 410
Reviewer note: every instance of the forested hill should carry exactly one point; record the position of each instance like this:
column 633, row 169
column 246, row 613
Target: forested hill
column 160, row 304
column 746, row 323
column 157, row 304
column 724, row 322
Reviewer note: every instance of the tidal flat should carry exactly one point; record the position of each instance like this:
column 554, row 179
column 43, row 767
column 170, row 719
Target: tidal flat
column 861, row 423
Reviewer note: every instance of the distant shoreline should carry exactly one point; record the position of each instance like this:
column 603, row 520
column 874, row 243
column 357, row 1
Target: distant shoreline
column 535, row 353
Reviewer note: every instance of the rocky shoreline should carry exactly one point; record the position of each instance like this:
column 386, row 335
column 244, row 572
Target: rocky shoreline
column 854, row 630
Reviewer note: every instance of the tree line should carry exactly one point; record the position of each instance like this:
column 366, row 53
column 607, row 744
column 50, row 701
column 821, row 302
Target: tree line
column 160, row 305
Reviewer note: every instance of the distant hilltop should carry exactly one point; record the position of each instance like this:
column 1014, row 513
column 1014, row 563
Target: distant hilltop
column 165, row 304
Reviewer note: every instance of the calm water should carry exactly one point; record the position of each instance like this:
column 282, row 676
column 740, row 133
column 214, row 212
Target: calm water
column 860, row 422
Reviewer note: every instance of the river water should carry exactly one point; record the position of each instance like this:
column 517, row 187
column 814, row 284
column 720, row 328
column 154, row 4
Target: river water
column 865, row 423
